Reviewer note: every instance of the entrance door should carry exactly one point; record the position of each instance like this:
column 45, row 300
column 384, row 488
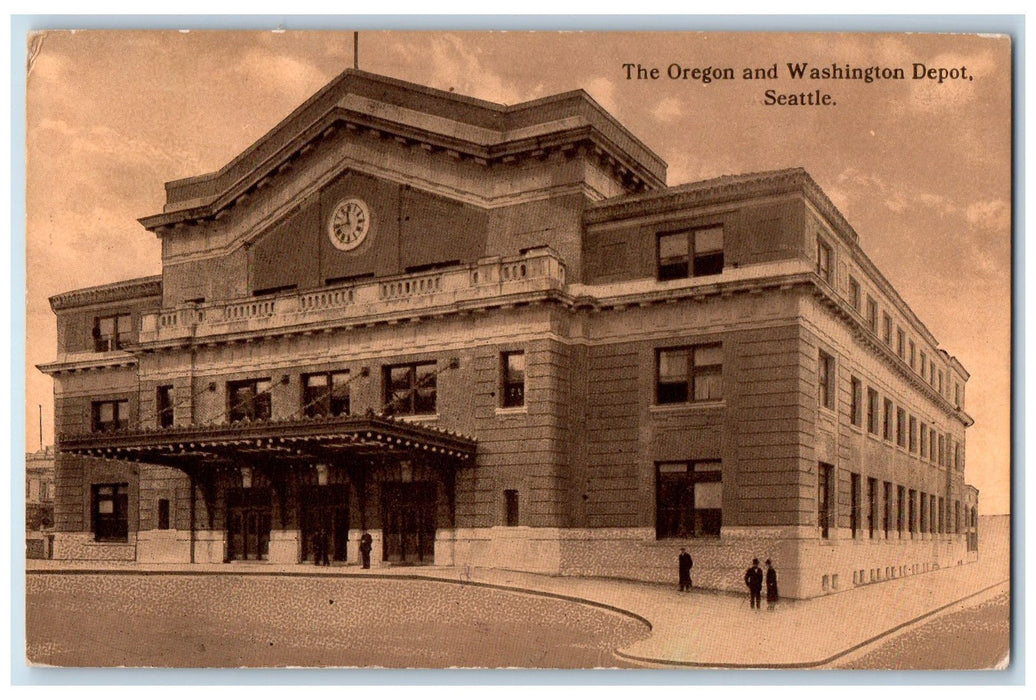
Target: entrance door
column 248, row 524
column 408, row 512
column 325, row 508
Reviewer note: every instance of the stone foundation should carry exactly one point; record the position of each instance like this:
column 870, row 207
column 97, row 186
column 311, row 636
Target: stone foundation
column 80, row 546
column 164, row 547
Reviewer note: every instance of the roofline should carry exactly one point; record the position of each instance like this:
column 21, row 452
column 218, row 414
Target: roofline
column 125, row 290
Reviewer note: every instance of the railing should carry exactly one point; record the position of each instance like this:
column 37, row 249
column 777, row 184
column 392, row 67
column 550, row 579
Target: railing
column 536, row 270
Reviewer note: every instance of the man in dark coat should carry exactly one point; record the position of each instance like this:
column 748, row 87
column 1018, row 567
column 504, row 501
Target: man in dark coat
column 366, row 542
column 754, row 581
column 771, row 585
column 685, row 569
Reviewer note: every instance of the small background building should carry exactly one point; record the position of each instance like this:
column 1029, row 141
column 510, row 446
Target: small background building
column 39, row 503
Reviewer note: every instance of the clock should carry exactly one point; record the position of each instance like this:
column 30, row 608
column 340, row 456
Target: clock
column 349, row 223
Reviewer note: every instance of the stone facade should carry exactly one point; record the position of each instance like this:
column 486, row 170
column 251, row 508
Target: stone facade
column 516, row 266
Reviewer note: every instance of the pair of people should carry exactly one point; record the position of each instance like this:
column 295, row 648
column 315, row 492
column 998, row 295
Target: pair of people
column 754, row 581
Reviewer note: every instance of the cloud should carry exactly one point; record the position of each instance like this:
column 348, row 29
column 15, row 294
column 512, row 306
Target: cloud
column 991, row 214
column 854, row 186
column 667, row 110
column 274, row 72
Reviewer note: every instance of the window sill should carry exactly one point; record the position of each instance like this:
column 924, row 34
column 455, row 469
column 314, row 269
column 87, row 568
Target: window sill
column 688, row 407
column 417, row 418
column 511, row 410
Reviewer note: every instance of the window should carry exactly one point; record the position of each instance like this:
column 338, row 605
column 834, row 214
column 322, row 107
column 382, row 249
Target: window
column 924, row 363
column 886, row 328
column 163, row 513
column 925, row 514
column 956, row 517
column 901, row 427
column 854, row 293
column 410, row 389
column 913, row 354
column 512, row 390
column 690, row 374
column 111, row 332
column 932, row 444
column 164, row 406
column 887, row 521
column 913, row 434
column 931, row 372
column 872, row 411
column 942, row 516
column 824, row 261
column 912, row 514
column 109, row 416
column 856, row 402
column 872, row 506
column 942, row 450
column 924, row 441
column 248, row 400
column 689, row 499
column 940, row 381
column 900, row 509
column 110, row 511
column 325, row 394
column 510, row 508
column 854, row 504
column 872, row 314
column 932, row 514
column 692, row 253
column 956, row 394
column 826, row 381
column 824, row 499
column 900, row 343
column 887, row 428
column 958, row 458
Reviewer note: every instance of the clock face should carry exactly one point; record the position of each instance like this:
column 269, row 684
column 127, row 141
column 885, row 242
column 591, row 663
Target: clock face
column 349, row 223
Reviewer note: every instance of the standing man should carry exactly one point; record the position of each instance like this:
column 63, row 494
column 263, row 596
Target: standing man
column 754, row 581
column 365, row 549
column 686, row 563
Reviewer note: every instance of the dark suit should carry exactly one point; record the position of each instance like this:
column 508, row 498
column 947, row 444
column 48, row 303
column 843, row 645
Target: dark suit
column 754, row 581
column 771, row 588
column 685, row 571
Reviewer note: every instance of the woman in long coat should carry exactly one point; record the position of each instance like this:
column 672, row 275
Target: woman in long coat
column 771, row 586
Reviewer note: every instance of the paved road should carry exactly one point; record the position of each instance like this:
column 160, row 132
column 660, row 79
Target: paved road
column 973, row 635
column 252, row 621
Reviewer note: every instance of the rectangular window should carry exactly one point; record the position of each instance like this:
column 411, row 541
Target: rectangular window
column 900, row 509
column 163, row 513
column 824, row 499
column 325, row 394
column 886, row 328
column 931, row 372
column 692, row 253
column 689, row 499
column 112, row 332
column 109, row 416
column 887, row 430
column 854, row 504
column 872, row 506
column 824, row 261
column 164, row 406
column 956, row 517
column 854, row 293
column 956, row 394
column 856, row 402
column 958, row 456
column 110, row 511
column 872, row 314
column 248, row 400
column 512, row 389
column 932, row 514
column 932, row 445
column 942, row 451
column 942, row 516
column 925, row 515
column 887, row 520
column 940, row 381
column 900, row 343
column 826, row 380
column 511, row 508
column 912, row 508
column 924, row 441
column 690, row 374
column 872, row 411
column 901, row 427
column 913, row 355
column 913, row 434
column 410, row 389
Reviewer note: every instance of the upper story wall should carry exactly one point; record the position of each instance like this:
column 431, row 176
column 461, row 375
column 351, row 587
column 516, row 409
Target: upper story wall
column 104, row 318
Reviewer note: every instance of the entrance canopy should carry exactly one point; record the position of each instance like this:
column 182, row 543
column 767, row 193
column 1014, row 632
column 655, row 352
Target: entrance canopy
column 307, row 439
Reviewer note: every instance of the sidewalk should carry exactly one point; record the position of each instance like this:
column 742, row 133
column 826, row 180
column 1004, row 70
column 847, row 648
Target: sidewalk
column 696, row 629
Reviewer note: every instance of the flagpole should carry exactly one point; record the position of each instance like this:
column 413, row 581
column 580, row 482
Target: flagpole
column 356, row 50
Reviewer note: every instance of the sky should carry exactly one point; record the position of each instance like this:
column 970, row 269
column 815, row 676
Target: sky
column 920, row 168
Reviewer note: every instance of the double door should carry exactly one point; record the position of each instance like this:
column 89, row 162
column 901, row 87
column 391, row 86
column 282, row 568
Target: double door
column 408, row 511
column 325, row 510
column 248, row 524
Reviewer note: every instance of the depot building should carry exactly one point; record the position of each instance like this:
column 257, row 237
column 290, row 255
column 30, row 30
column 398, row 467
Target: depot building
column 493, row 336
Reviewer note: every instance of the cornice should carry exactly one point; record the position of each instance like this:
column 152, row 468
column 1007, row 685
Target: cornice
column 127, row 290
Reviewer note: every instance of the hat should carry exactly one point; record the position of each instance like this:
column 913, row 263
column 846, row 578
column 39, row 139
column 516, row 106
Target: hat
column 767, row 562
column 755, row 562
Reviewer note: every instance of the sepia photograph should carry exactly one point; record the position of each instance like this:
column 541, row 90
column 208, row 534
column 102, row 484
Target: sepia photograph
column 536, row 350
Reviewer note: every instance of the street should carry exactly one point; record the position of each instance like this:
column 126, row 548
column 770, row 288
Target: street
column 271, row 621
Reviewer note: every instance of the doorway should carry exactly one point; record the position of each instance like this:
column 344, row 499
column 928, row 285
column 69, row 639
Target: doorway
column 408, row 511
column 325, row 508
column 248, row 524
